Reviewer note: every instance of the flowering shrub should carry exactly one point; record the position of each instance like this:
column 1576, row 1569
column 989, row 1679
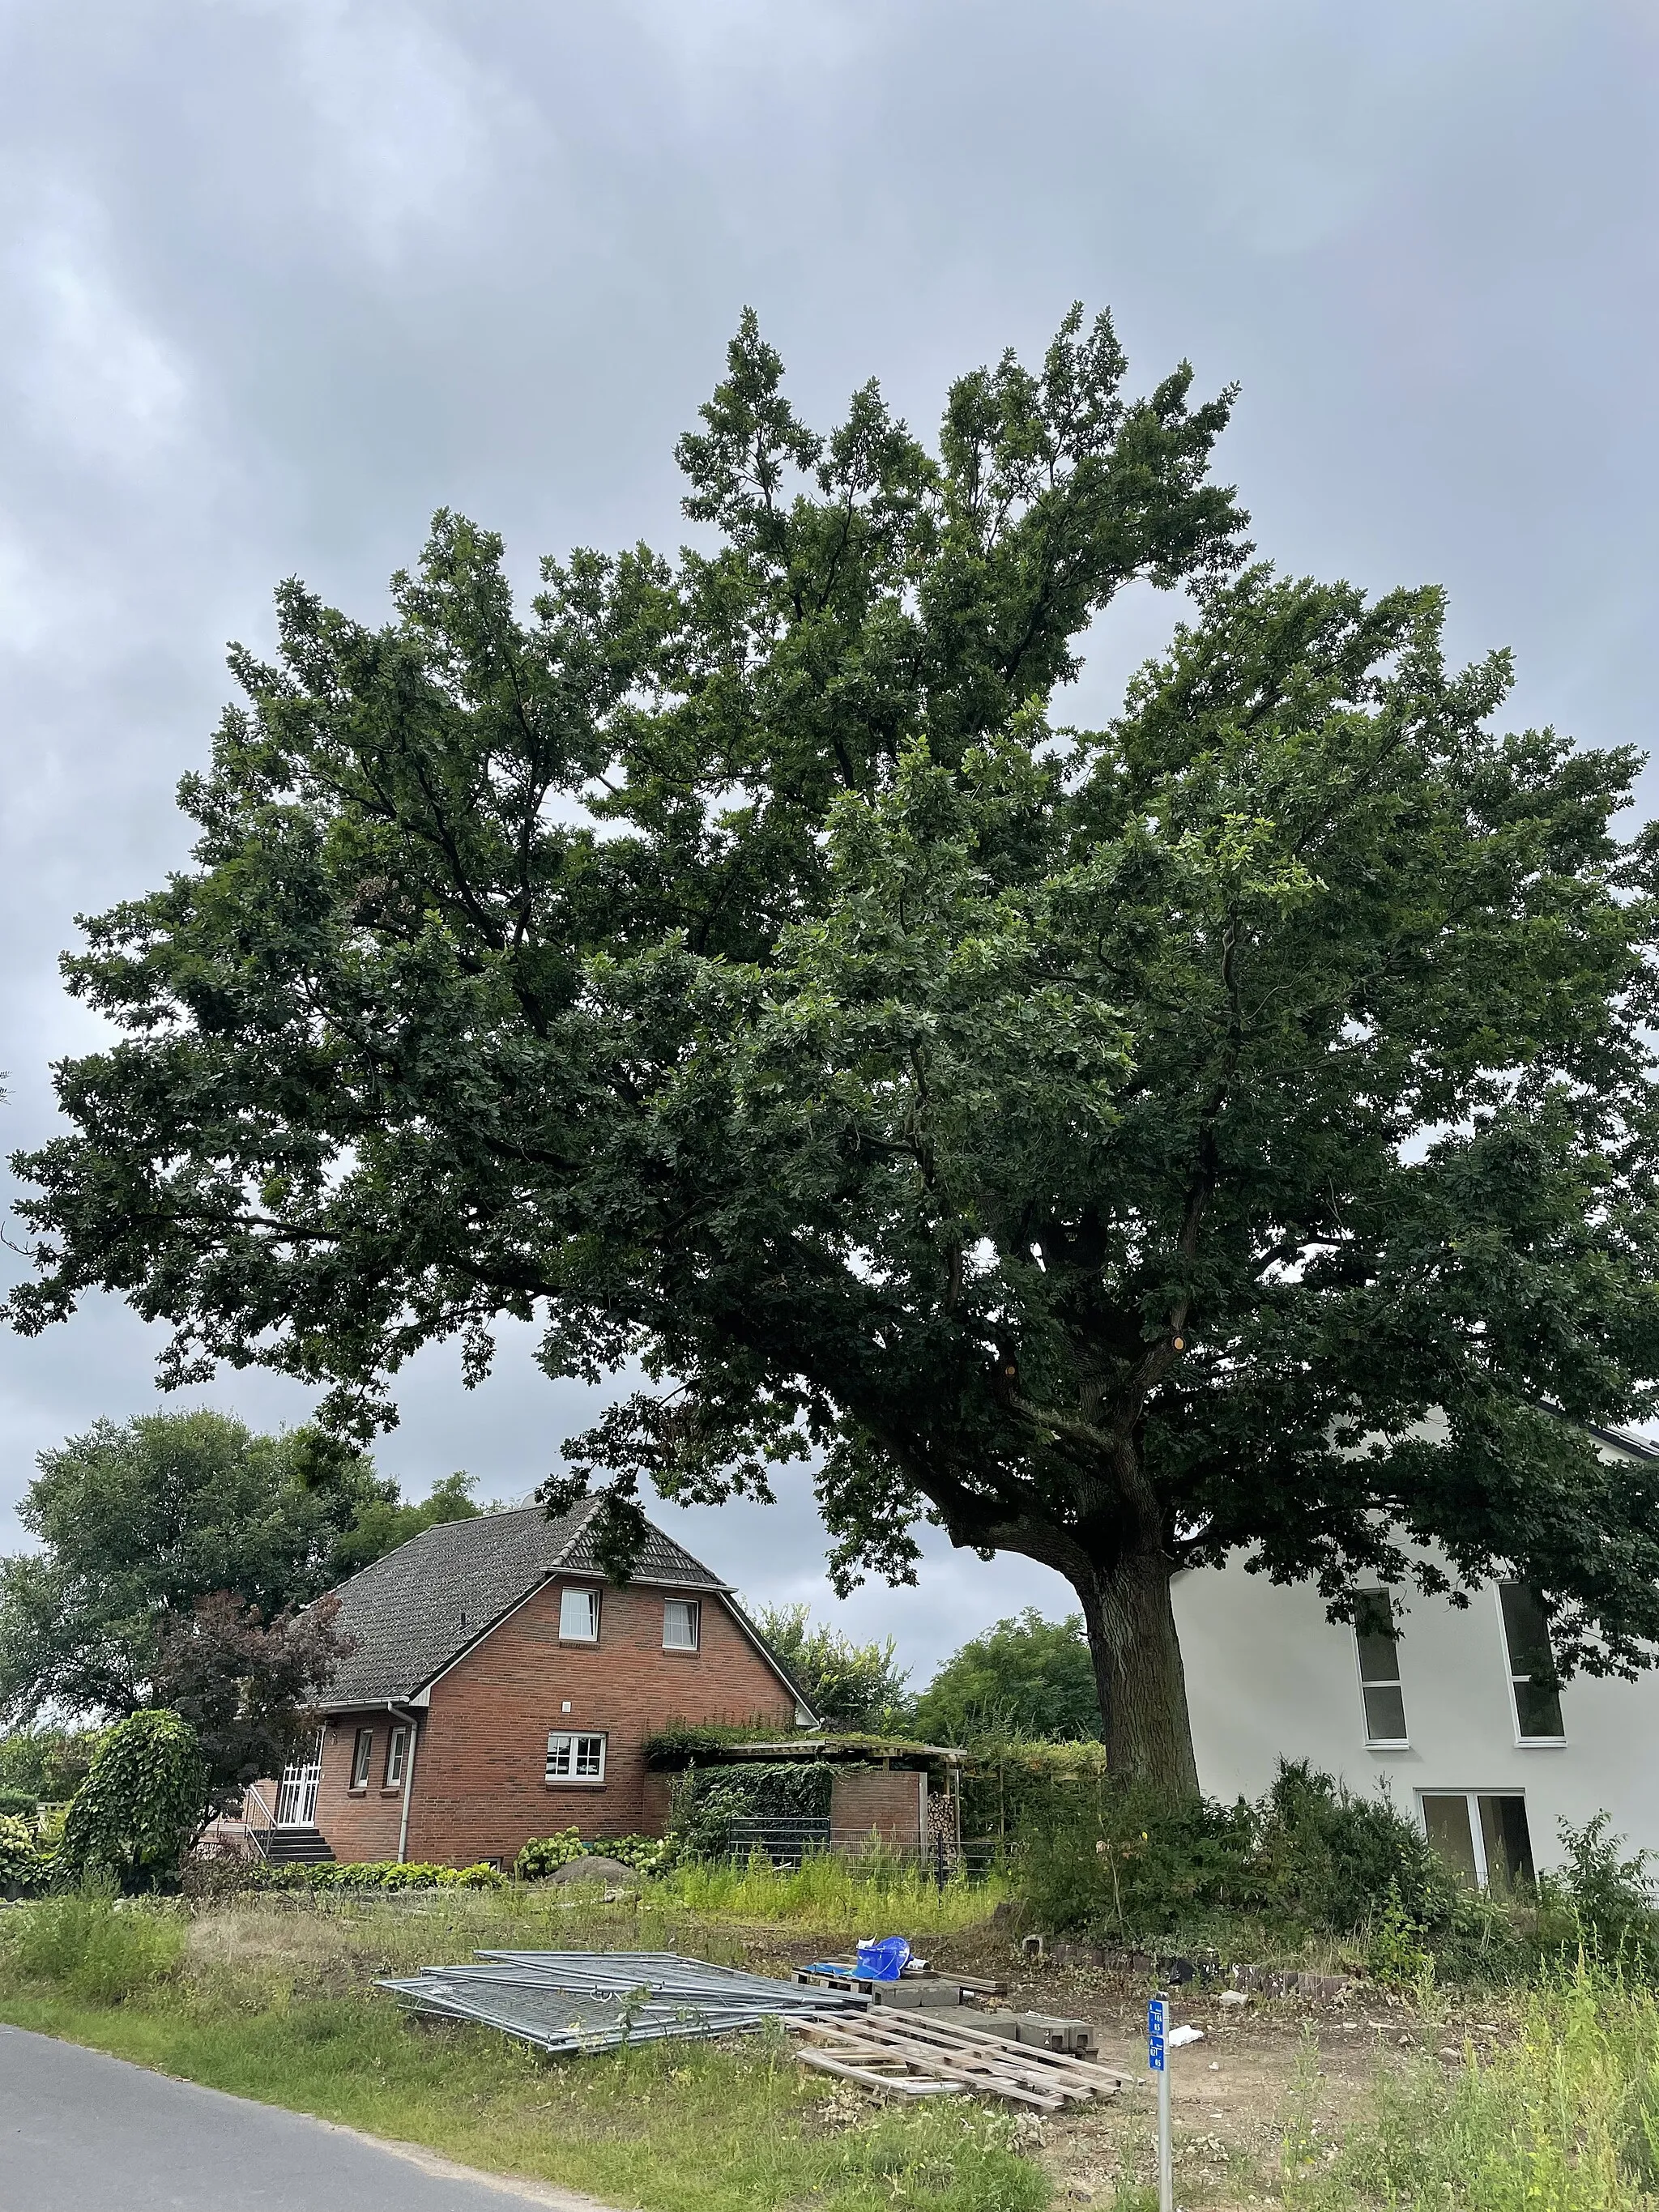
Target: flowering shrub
column 543, row 1855
column 23, row 1869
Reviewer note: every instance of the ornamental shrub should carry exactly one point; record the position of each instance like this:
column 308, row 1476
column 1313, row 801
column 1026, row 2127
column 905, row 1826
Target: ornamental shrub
column 24, row 1869
column 140, row 1806
column 647, row 1855
column 544, row 1855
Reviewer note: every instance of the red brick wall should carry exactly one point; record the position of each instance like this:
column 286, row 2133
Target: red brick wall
column 879, row 1801
column 359, row 1824
column 479, row 1790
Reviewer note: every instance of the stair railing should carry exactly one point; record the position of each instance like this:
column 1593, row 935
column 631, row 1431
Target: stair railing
column 258, row 1839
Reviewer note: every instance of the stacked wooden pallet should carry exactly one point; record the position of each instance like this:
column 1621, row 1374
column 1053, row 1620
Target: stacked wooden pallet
column 916, row 2054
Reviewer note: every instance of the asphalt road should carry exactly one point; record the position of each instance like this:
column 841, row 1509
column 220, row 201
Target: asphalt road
column 79, row 2132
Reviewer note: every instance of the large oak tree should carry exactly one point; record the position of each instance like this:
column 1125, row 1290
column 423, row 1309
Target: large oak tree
column 1112, row 1145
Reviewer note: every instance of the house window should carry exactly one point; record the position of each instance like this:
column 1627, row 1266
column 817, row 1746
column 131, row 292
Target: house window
column 361, row 1752
column 578, row 1616
column 1377, row 1642
column 1533, row 1678
column 394, row 1757
column 1483, row 1839
column 575, row 1758
column 680, row 1624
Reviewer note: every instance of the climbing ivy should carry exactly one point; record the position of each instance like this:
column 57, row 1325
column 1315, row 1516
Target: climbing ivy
column 141, row 1805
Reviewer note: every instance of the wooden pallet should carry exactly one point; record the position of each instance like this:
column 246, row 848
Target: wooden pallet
column 911, row 2054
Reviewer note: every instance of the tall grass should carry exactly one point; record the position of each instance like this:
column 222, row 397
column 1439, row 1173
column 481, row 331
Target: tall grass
column 879, row 1892
column 96, row 1947
column 1566, row 2119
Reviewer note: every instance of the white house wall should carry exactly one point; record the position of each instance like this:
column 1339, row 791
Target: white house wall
column 1268, row 1676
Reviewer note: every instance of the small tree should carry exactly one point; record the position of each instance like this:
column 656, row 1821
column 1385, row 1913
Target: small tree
column 847, row 1685
column 246, row 1687
column 142, row 1806
column 1026, row 1677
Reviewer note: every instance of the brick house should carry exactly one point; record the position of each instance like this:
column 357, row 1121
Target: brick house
column 498, row 1687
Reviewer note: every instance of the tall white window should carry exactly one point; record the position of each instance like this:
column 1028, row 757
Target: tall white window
column 1377, row 1642
column 575, row 1758
column 361, row 1752
column 680, row 1624
column 396, row 1751
column 1533, row 1681
column 578, row 1616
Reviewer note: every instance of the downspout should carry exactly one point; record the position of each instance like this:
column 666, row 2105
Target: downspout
column 412, row 1721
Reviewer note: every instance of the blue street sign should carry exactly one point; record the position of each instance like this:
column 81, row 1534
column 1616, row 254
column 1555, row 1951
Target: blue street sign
column 1158, row 2021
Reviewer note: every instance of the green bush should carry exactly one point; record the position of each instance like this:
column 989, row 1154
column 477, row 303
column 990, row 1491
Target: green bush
column 708, row 1801
column 97, row 1947
column 1308, row 1857
column 544, row 1855
column 19, row 1805
column 141, row 1804
column 391, row 1875
column 1599, row 1902
column 23, row 1866
column 653, row 1854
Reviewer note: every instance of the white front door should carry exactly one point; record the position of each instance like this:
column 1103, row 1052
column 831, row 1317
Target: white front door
column 297, row 1798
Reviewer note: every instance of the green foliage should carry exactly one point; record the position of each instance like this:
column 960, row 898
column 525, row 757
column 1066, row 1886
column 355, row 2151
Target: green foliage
column 847, row 1685
column 18, row 1805
column 1599, row 1902
column 380, row 1523
column 1397, row 1954
column 1309, row 1857
column 1023, row 1679
column 392, row 1875
column 543, row 1855
column 1558, row 2117
column 675, row 1743
column 139, row 1523
column 1087, row 1139
column 47, row 1766
column 141, row 1805
column 24, row 1869
column 708, row 1801
column 103, row 1949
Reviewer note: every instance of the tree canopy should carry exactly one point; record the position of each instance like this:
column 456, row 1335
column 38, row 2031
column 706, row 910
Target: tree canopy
column 138, row 1524
column 1024, row 1677
column 847, row 1685
column 1113, row 1144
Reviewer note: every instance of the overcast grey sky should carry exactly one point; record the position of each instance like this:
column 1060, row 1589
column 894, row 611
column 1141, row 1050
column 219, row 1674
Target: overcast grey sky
column 278, row 277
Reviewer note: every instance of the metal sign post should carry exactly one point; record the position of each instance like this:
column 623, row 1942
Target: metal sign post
column 1158, row 2062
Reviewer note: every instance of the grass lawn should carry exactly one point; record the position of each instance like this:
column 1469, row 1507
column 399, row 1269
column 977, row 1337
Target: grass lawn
column 271, row 2003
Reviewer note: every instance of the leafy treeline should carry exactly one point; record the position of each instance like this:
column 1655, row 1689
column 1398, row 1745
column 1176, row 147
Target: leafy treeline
column 177, row 1554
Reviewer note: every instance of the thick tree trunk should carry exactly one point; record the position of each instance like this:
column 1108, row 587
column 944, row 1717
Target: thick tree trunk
column 1138, row 1674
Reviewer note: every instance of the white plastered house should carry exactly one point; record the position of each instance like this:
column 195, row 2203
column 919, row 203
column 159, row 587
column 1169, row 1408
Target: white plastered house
column 1436, row 1703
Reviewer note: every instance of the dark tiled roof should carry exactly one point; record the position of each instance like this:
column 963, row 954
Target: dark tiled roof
column 419, row 1608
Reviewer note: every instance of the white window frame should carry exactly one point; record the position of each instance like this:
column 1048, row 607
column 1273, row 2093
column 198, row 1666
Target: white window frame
column 1477, row 1829
column 1524, row 1742
column 587, row 1595
column 397, row 1756
column 362, row 1758
column 692, row 1610
column 1380, row 1742
column 567, row 1742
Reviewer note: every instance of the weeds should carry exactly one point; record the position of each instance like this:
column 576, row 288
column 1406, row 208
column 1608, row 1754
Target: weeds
column 1565, row 2119
column 95, row 1947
